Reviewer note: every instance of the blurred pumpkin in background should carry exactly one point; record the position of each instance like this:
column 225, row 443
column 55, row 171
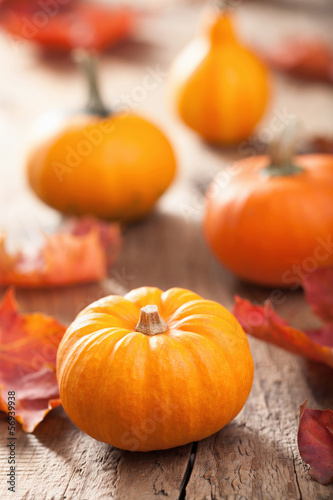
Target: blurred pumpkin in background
column 220, row 88
column 111, row 165
column 67, row 24
column 153, row 370
column 273, row 222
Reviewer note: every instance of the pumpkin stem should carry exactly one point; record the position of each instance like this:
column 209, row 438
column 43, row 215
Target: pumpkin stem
column 281, row 152
column 150, row 322
column 88, row 64
column 222, row 4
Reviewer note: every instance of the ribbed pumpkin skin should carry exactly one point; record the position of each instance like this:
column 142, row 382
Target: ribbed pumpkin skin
column 270, row 230
column 142, row 393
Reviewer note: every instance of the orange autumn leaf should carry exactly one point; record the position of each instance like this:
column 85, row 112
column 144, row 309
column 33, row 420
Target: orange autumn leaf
column 315, row 442
column 74, row 24
column 28, row 348
column 79, row 253
column 263, row 323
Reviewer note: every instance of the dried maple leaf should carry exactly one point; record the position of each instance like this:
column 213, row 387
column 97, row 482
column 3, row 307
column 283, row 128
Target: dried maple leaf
column 263, row 323
column 75, row 24
column 308, row 59
column 316, row 144
column 318, row 287
column 79, row 253
column 315, row 442
column 28, row 348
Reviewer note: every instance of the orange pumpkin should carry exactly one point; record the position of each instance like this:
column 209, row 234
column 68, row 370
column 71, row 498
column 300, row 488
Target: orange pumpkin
column 272, row 223
column 110, row 165
column 220, row 88
column 153, row 370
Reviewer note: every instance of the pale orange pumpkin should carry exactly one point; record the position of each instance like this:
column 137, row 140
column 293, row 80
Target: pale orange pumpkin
column 219, row 87
column 113, row 165
column 153, row 370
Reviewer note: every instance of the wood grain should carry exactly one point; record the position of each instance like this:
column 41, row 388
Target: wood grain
column 256, row 456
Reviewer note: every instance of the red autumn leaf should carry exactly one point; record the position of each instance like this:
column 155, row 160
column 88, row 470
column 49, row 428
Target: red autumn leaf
column 28, row 348
column 318, row 287
column 308, row 59
column 315, row 442
column 263, row 323
column 317, row 144
column 73, row 24
column 79, row 253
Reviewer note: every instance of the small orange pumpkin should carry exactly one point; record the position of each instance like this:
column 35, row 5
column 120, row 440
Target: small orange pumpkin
column 272, row 223
column 220, row 88
column 153, row 370
column 110, row 165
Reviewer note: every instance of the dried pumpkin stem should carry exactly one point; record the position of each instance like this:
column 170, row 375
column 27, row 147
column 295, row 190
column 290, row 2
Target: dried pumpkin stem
column 88, row 64
column 150, row 322
column 281, row 152
column 222, row 4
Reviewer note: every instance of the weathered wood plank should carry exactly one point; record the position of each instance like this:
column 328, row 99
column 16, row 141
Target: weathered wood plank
column 254, row 457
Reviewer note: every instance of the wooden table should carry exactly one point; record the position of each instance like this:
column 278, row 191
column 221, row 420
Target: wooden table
column 256, row 456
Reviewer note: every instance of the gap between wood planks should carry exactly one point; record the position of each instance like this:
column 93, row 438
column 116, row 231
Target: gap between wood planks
column 188, row 471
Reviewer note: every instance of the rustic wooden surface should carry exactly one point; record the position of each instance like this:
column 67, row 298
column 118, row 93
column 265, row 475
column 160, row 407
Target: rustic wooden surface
column 256, row 456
